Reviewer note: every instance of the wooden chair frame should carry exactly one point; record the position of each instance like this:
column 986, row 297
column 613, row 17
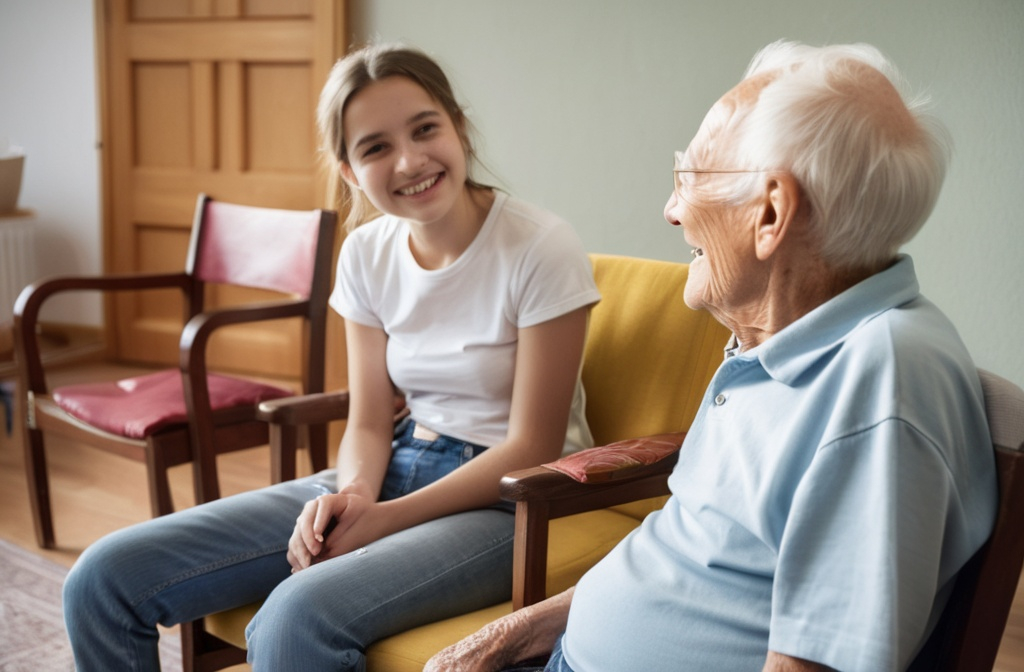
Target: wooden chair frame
column 207, row 433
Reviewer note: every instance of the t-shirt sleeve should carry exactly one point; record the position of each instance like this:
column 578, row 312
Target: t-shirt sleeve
column 555, row 278
column 350, row 297
column 859, row 559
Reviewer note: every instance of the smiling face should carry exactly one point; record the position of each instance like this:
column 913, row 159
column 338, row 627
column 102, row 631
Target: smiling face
column 720, row 233
column 404, row 151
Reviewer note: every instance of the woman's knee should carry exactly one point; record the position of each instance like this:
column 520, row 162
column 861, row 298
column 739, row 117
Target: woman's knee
column 291, row 609
column 97, row 577
column 300, row 626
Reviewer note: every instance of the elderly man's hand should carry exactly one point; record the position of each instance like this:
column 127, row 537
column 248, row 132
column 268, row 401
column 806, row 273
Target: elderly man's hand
column 521, row 635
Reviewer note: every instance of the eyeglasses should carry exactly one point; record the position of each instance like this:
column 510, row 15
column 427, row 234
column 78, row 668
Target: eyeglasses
column 676, row 171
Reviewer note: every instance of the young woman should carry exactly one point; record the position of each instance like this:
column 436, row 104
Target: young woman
column 471, row 304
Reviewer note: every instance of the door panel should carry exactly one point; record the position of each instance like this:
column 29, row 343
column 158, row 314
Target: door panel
column 214, row 96
column 280, row 129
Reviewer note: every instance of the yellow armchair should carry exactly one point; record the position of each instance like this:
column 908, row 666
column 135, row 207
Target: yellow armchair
column 647, row 362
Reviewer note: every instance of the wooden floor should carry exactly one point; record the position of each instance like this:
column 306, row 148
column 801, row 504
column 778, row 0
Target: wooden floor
column 95, row 493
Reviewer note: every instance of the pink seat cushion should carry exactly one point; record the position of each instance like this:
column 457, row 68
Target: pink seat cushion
column 138, row 407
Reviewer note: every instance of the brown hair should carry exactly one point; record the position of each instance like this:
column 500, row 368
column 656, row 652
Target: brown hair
column 351, row 75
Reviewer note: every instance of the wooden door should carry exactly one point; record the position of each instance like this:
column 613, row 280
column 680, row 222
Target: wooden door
column 214, row 96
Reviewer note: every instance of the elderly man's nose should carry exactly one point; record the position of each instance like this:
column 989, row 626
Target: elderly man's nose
column 670, row 210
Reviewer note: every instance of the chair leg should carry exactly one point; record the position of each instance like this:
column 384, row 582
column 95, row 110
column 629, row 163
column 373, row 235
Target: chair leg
column 160, row 502
column 284, row 441
column 318, row 447
column 204, row 475
column 530, row 558
column 38, row 487
column 202, row 652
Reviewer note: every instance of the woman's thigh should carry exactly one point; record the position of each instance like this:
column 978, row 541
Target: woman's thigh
column 433, row 571
column 203, row 559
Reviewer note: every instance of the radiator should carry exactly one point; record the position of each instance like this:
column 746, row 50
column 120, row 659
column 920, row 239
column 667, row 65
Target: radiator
column 17, row 261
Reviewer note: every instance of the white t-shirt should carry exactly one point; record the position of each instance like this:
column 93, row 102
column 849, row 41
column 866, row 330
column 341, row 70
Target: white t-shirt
column 452, row 332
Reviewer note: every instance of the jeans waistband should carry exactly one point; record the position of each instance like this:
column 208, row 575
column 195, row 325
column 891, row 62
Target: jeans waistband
column 421, row 432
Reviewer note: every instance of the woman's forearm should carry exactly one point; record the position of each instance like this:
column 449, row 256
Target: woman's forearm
column 362, row 461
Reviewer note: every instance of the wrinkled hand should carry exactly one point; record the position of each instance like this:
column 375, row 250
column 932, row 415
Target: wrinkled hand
column 495, row 646
column 523, row 634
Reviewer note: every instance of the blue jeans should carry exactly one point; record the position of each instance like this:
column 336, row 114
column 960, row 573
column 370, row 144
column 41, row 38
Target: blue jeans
column 555, row 661
column 231, row 552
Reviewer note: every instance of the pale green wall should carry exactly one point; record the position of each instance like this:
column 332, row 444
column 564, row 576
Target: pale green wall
column 579, row 104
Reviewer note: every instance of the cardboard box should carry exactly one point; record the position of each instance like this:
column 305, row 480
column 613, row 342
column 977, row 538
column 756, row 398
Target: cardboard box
column 10, row 182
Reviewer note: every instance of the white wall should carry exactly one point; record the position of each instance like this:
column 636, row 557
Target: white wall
column 579, row 104
column 48, row 107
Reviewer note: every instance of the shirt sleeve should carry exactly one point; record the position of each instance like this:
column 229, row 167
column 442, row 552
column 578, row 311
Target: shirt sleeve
column 860, row 557
column 555, row 278
column 350, row 297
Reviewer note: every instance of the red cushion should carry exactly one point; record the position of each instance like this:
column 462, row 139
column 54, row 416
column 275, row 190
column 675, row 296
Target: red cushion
column 602, row 463
column 138, row 407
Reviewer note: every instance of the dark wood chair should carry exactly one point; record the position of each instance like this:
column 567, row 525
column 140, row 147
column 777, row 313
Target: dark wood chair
column 188, row 414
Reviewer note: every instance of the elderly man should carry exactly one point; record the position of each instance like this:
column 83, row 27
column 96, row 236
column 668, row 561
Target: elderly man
column 836, row 477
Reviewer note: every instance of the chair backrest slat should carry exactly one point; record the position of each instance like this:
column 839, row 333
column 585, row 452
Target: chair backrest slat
column 256, row 247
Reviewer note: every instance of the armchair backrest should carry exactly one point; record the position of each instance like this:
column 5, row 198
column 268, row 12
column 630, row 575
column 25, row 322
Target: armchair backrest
column 967, row 637
column 648, row 357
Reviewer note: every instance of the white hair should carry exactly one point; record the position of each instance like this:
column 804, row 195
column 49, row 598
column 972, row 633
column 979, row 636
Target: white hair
column 870, row 187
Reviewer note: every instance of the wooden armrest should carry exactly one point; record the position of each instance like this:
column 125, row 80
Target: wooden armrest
column 617, row 468
column 542, row 494
column 288, row 416
column 197, row 331
column 31, row 299
column 308, row 409
column 558, row 495
column 39, row 291
column 313, row 411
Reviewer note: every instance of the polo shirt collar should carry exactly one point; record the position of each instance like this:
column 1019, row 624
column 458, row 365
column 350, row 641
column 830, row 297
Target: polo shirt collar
column 789, row 353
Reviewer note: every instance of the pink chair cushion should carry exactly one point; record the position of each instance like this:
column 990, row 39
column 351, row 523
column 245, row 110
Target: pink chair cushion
column 138, row 407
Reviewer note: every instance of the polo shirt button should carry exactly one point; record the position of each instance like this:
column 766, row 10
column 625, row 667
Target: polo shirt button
column 719, row 400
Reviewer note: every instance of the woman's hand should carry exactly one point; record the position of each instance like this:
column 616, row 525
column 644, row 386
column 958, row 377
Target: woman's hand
column 307, row 540
column 357, row 520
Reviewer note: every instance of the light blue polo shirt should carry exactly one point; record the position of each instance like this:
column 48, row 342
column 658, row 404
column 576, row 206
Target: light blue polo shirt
column 834, row 481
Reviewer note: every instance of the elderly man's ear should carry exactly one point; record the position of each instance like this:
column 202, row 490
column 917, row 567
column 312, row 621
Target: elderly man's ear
column 778, row 214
